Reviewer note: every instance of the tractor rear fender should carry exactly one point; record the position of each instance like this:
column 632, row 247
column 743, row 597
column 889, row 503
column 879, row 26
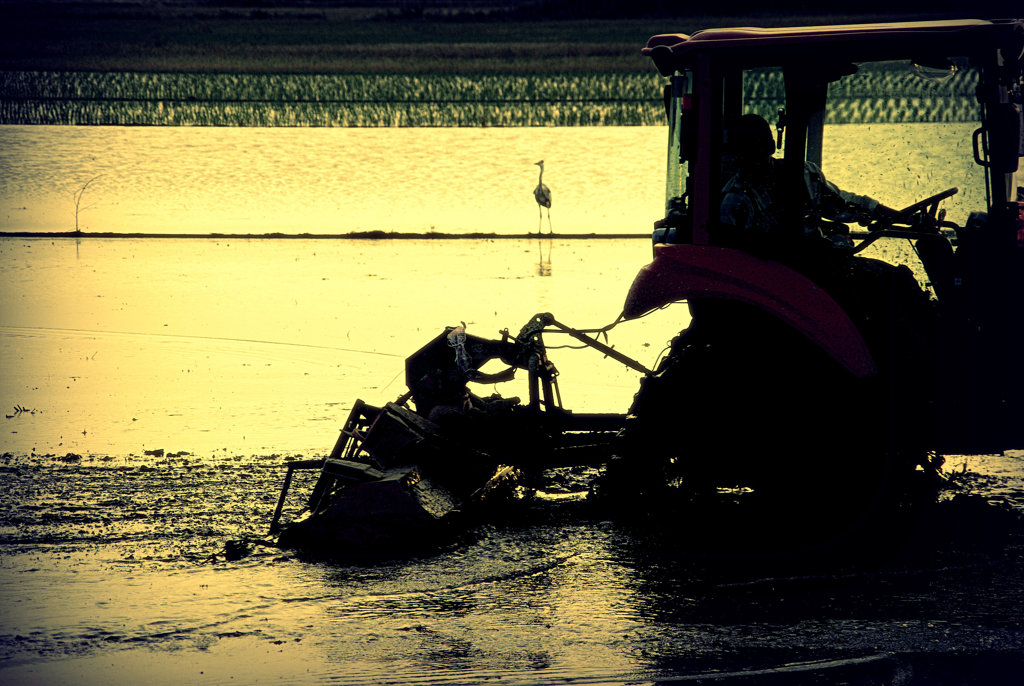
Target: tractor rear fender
column 681, row 272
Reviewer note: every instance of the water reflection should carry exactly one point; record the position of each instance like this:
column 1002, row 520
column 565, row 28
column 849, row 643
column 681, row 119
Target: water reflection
column 549, row 600
column 799, row 619
column 262, row 345
column 544, row 263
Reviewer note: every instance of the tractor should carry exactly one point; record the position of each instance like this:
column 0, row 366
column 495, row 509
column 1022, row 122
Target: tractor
column 819, row 378
column 826, row 369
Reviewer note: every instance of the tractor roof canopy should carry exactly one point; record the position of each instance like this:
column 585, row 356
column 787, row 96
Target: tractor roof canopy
column 752, row 46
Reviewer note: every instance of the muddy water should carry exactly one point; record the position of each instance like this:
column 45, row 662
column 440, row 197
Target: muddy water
column 220, row 359
column 113, row 574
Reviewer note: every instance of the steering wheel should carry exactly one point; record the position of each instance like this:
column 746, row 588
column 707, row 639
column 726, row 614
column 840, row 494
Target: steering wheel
column 932, row 201
column 923, row 215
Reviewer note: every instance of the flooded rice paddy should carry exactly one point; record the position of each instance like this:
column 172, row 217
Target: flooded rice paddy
column 168, row 381
column 240, row 347
column 116, row 574
column 200, row 180
column 156, row 388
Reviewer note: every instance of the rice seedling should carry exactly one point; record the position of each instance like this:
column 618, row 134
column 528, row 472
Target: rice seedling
column 78, row 200
column 554, row 99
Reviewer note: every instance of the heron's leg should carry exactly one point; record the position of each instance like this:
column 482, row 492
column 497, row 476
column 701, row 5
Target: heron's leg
column 549, row 222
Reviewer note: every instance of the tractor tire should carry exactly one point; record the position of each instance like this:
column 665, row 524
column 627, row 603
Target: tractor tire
column 746, row 406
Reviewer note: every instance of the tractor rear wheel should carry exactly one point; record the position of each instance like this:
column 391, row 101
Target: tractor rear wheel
column 748, row 414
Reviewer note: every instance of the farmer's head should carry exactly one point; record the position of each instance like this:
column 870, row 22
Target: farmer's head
column 749, row 138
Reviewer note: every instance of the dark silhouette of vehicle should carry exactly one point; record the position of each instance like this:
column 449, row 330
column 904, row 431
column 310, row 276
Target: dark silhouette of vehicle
column 814, row 392
column 819, row 383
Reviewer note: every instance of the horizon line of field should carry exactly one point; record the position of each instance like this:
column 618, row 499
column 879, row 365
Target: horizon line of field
column 353, row 235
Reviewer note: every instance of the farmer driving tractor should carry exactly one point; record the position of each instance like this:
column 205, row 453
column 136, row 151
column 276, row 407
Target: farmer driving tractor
column 754, row 197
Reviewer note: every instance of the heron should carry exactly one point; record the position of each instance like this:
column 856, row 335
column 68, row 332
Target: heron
column 543, row 196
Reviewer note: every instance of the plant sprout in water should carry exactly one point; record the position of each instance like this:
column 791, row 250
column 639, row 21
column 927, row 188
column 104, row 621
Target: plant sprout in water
column 78, row 200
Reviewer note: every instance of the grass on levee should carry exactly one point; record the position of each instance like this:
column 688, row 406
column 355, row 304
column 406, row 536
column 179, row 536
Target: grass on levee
column 207, row 37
